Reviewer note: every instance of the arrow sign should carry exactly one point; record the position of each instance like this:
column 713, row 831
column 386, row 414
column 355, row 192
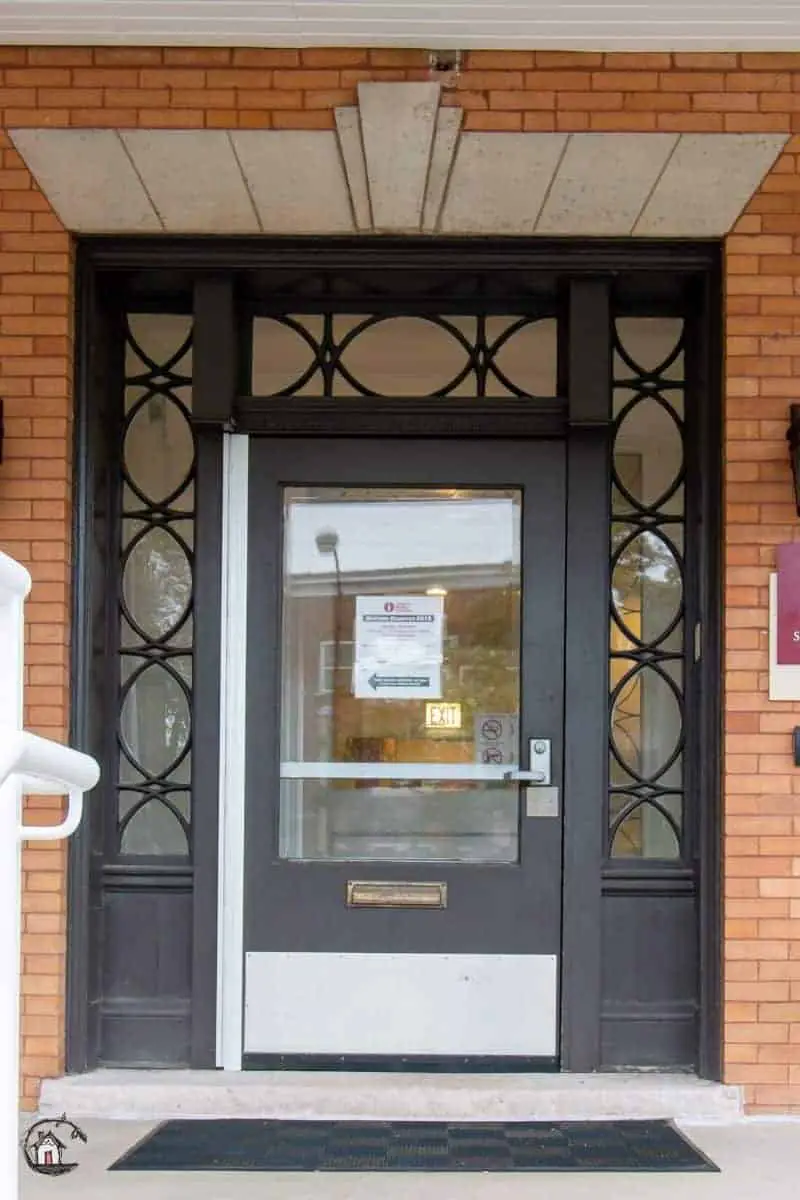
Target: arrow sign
column 399, row 681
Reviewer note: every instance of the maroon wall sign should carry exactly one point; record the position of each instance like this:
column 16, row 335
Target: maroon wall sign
column 789, row 604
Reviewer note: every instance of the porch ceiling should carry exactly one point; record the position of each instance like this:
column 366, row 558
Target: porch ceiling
column 397, row 163
column 583, row 25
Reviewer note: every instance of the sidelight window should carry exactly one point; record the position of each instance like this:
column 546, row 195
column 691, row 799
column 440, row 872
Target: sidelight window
column 646, row 810
column 155, row 609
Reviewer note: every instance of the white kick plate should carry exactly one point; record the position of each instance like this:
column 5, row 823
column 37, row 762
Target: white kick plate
column 431, row 1004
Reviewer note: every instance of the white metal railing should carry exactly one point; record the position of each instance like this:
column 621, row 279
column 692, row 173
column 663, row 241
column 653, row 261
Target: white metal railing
column 28, row 765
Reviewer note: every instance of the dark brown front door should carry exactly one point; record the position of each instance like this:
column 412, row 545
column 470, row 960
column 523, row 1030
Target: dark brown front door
column 404, row 726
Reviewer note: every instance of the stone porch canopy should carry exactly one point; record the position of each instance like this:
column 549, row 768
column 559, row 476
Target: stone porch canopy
column 397, row 163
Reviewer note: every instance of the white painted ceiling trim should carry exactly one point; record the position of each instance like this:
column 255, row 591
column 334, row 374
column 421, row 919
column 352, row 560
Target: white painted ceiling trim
column 397, row 163
column 429, row 24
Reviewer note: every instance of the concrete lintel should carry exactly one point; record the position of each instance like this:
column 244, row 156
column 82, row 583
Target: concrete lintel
column 397, row 128
column 603, row 182
column 499, row 182
column 89, row 179
column 296, row 180
column 709, row 179
column 445, row 140
column 351, row 146
column 437, row 179
column 192, row 179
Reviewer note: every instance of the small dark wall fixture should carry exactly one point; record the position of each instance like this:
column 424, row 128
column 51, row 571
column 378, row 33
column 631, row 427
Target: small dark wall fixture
column 793, row 438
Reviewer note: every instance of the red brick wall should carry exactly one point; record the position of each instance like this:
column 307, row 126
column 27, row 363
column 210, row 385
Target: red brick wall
column 279, row 89
column 35, row 505
column 762, row 790
column 292, row 89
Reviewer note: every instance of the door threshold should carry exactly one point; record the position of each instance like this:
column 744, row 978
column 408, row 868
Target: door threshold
column 407, row 1064
column 158, row 1095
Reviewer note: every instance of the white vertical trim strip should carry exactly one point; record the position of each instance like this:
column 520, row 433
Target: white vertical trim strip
column 233, row 664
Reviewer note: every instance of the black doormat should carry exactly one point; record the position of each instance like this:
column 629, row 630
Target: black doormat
column 255, row 1145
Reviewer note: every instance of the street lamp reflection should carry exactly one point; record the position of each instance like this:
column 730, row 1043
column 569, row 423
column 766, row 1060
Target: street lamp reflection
column 327, row 541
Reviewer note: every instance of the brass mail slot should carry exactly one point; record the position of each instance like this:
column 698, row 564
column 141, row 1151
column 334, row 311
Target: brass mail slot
column 372, row 894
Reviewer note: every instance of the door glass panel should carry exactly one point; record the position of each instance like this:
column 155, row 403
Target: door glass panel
column 400, row 674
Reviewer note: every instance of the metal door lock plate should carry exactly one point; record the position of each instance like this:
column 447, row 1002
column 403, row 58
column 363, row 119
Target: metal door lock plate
column 541, row 802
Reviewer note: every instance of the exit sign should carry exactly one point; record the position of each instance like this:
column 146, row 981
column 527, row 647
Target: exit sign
column 442, row 716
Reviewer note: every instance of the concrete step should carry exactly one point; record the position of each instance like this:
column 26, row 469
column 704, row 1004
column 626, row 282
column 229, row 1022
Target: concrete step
column 287, row 1095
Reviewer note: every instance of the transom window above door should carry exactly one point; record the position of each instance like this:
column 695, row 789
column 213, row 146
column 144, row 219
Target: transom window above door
column 346, row 354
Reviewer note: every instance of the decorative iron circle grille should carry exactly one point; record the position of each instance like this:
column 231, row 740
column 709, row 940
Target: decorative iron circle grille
column 332, row 353
column 646, row 694
column 156, row 602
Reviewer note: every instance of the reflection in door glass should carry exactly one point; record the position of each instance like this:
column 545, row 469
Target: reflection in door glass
column 400, row 674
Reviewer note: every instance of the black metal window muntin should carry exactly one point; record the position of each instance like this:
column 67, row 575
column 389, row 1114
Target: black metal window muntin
column 481, row 350
column 435, row 296
column 157, row 381
column 649, row 517
column 650, row 384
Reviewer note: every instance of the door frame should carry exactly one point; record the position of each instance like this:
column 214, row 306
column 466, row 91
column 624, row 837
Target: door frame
column 202, row 275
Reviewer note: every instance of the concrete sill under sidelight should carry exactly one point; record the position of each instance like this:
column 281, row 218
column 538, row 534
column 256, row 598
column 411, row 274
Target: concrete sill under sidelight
column 306, row 1095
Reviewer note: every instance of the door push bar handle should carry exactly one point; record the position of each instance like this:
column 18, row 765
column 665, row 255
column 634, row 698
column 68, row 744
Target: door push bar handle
column 539, row 754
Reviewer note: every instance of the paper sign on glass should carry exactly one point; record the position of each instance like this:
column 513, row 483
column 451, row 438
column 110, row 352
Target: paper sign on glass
column 398, row 647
